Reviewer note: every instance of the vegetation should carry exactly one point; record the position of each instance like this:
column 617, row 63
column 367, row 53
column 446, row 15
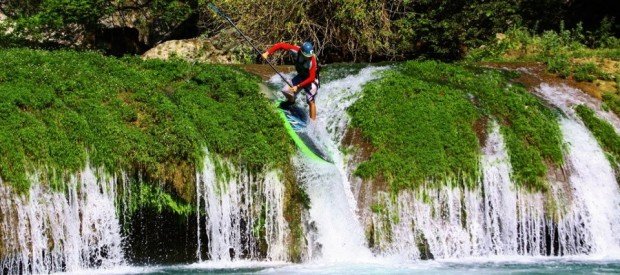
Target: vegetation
column 426, row 121
column 604, row 133
column 156, row 198
column 351, row 30
column 567, row 54
column 560, row 51
column 61, row 110
column 522, row 44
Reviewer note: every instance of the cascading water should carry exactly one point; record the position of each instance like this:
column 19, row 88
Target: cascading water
column 236, row 209
column 47, row 231
column 596, row 197
column 578, row 216
column 333, row 207
column 565, row 97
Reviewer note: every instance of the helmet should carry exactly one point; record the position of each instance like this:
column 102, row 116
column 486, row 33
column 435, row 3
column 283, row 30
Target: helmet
column 307, row 49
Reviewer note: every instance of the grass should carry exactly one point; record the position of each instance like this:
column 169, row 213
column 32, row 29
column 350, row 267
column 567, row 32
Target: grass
column 558, row 50
column 603, row 132
column 61, row 110
column 423, row 119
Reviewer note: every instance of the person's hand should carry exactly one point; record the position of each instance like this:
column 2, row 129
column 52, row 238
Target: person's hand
column 293, row 89
column 265, row 55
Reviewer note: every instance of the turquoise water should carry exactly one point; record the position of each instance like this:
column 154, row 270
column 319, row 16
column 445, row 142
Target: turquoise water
column 468, row 266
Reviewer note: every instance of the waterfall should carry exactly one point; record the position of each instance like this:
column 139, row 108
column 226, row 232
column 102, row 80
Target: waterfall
column 47, row 231
column 333, row 207
column 234, row 209
column 596, row 197
column 340, row 234
column 498, row 218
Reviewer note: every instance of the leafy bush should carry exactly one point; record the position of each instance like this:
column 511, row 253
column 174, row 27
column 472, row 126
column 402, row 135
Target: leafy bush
column 559, row 65
column 586, row 72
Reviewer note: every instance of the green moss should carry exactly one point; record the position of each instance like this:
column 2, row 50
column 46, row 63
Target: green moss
column 603, row 132
column 154, row 197
column 421, row 119
column 60, row 109
column 377, row 208
column 611, row 101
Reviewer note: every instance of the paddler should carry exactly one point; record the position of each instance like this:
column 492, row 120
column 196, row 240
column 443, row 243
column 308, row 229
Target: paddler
column 306, row 79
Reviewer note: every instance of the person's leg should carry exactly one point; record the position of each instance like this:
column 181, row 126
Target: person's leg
column 310, row 98
column 290, row 98
column 312, row 107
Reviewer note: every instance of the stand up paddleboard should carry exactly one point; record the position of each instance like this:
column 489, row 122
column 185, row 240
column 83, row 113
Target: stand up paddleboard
column 295, row 121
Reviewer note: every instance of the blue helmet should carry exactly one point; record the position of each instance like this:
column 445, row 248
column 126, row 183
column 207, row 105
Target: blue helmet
column 307, row 49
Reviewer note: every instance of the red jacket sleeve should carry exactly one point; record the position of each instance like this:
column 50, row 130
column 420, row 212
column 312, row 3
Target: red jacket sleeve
column 282, row 46
column 312, row 75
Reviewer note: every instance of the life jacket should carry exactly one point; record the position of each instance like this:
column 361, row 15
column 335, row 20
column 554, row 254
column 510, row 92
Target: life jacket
column 302, row 66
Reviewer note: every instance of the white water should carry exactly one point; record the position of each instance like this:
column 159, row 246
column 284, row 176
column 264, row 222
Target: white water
column 596, row 196
column 49, row 231
column 232, row 210
column 79, row 230
column 502, row 220
column 340, row 236
column 565, row 98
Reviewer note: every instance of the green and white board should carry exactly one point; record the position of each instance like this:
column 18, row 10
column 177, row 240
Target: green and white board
column 295, row 121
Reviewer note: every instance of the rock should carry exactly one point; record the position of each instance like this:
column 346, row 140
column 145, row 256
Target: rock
column 500, row 37
column 197, row 49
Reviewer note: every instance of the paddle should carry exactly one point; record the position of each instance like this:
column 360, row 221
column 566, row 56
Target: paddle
column 220, row 13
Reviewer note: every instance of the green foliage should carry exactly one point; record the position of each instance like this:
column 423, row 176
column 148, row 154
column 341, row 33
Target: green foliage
column 603, row 131
column 59, row 13
column 519, row 43
column 586, row 72
column 612, row 101
column 148, row 196
column 559, row 65
column 421, row 119
column 377, row 208
column 422, row 130
column 555, row 49
column 77, row 23
column 604, row 35
column 61, row 109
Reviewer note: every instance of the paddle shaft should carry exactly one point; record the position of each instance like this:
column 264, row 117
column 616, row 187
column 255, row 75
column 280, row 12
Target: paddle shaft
column 220, row 13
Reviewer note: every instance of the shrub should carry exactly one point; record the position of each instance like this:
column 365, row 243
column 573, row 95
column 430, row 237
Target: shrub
column 560, row 65
column 586, row 72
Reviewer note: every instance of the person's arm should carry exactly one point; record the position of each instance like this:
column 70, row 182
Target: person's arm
column 312, row 75
column 282, row 46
